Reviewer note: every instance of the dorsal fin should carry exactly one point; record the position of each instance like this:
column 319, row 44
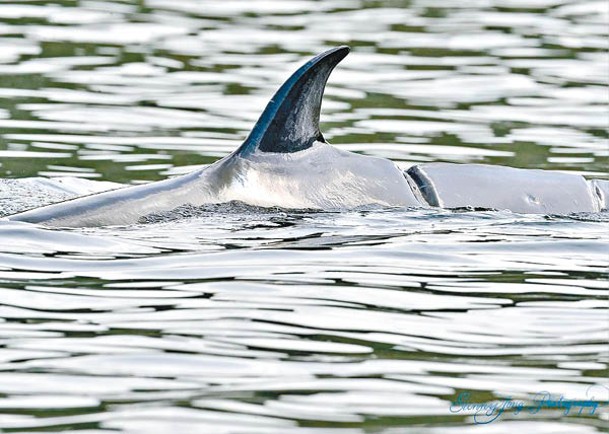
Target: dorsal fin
column 290, row 121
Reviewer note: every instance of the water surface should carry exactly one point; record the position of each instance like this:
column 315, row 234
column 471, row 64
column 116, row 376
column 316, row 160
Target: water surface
column 237, row 319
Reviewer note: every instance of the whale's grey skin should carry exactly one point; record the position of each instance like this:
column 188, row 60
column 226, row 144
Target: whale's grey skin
column 532, row 191
column 285, row 161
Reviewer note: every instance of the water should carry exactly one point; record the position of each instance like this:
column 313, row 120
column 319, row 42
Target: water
column 236, row 319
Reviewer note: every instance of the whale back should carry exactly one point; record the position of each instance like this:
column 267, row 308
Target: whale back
column 285, row 161
column 450, row 185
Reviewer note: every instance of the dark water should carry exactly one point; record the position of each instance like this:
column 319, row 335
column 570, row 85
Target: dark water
column 241, row 319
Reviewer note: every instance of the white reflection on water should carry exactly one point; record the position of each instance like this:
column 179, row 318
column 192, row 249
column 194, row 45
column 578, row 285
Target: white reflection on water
column 302, row 309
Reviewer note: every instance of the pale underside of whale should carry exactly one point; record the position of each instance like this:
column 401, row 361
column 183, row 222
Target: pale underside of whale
column 286, row 162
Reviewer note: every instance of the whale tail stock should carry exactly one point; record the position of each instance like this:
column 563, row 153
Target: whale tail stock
column 290, row 121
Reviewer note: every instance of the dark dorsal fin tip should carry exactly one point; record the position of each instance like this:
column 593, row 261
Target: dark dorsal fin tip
column 290, row 121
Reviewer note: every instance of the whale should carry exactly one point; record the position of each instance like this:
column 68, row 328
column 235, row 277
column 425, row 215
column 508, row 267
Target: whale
column 286, row 162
